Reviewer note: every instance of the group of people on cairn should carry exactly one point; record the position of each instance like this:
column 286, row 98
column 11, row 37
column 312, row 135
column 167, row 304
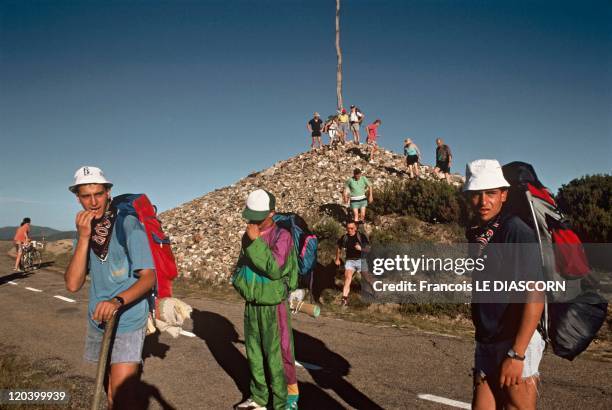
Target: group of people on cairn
column 338, row 126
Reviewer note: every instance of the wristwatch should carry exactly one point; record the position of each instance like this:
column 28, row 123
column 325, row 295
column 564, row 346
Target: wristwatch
column 514, row 355
column 120, row 300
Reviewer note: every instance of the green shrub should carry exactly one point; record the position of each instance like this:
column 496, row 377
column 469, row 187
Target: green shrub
column 404, row 230
column 328, row 230
column 587, row 202
column 430, row 201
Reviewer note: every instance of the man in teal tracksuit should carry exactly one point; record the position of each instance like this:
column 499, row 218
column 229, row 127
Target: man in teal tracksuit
column 267, row 271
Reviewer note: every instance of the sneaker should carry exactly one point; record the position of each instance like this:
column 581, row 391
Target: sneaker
column 344, row 301
column 249, row 404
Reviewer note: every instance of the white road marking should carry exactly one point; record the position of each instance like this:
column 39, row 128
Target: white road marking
column 33, row 289
column 12, row 283
column 65, row 299
column 308, row 366
column 444, row 400
column 186, row 333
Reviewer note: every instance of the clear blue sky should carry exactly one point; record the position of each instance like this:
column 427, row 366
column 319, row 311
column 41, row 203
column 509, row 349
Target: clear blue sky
column 178, row 98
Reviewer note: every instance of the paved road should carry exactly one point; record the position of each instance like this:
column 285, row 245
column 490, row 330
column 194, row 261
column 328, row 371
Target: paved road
column 362, row 366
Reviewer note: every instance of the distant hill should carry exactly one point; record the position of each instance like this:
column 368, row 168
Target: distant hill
column 37, row 232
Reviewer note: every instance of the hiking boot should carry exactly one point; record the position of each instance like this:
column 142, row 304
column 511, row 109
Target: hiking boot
column 249, row 404
column 344, row 301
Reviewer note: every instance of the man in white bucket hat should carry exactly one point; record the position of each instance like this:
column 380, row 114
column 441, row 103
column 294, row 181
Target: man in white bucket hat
column 508, row 346
column 119, row 284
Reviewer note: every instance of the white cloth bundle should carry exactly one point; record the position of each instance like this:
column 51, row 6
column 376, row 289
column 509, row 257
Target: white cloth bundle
column 172, row 313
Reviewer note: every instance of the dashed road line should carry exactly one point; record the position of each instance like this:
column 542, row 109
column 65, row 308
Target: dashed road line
column 33, row 289
column 12, row 283
column 65, row 299
column 444, row 400
column 186, row 333
column 308, row 366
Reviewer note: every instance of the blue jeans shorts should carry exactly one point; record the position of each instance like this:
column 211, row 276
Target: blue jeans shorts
column 126, row 347
column 489, row 357
column 356, row 265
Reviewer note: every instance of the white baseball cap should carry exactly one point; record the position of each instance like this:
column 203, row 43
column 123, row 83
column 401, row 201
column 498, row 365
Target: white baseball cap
column 484, row 174
column 89, row 175
column 259, row 203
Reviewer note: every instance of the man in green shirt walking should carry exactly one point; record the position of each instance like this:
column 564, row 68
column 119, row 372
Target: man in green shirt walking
column 355, row 195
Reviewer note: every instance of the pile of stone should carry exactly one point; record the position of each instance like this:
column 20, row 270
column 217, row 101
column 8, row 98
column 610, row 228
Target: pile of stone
column 206, row 232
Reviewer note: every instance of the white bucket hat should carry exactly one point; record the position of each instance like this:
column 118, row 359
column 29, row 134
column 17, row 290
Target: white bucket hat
column 484, row 174
column 89, row 175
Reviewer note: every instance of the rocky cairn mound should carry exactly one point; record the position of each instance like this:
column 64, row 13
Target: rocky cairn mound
column 206, row 232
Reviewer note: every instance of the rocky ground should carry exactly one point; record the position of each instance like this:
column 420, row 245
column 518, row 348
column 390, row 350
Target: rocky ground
column 206, row 232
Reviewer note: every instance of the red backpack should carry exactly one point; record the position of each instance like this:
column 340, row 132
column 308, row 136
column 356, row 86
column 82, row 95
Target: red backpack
column 139, row 206
column 571, row 318
column 532, row 201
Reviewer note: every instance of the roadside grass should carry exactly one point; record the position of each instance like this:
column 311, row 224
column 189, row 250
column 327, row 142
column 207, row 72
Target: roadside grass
column 19, row 372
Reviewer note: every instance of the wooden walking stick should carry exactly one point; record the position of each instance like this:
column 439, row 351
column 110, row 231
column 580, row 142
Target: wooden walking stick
column 106, row 341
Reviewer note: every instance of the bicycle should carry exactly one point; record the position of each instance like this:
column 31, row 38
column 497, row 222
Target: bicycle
column 31, row 258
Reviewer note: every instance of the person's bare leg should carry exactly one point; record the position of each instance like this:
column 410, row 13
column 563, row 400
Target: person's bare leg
column 18, row 258
column 416, row 169
column 522, row 396
column 357, row 136
column 120, row 372
column 363, row 214
column 356, row 214
column 348, row 277
column 320, row 143
column 483, row 398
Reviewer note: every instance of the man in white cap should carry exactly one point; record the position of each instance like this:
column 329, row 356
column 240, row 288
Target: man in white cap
column 119, row 284
column 268, row 255
column 508, row 346
column 315, row 125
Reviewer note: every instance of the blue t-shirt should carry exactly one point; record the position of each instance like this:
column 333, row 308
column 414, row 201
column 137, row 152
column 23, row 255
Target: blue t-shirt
column 119, row 272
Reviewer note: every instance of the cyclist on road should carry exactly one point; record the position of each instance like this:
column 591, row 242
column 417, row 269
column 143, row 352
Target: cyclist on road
column 21, row 238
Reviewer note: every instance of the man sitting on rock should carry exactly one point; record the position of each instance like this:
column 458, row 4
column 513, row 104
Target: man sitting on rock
column 356, row 190
column 269, row 256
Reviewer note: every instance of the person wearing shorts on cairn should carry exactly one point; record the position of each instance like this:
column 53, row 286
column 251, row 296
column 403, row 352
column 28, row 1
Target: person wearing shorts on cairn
column 21, row 238
column 413, row 157
column 444, row 159
column 355, row 119
column 343, row 124
column 355, row 244
column 314, row 126
column 121, row 279
column 372, row 138
column 508, row 346
column 331, row 128
column 355, row 195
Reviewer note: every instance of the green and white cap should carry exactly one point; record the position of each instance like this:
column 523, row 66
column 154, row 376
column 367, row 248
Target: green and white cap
column 259, row 203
